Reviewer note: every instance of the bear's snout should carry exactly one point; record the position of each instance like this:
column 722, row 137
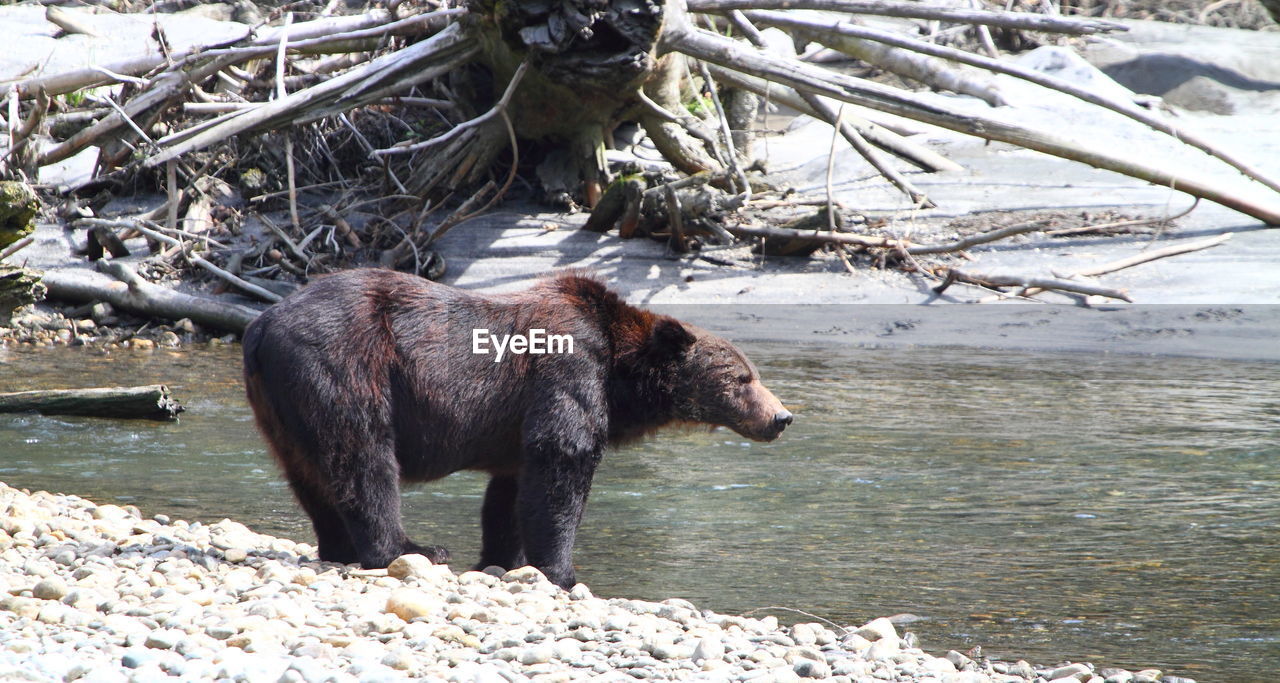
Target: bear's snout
column 782, row 419
column 767, row 416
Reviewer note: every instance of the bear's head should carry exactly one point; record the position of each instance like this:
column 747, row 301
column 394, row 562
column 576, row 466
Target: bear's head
column 708, row 380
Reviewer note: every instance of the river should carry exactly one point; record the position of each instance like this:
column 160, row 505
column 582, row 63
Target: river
column 1119, row 509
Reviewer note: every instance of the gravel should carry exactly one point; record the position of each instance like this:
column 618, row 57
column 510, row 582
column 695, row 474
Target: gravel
column 99, row 593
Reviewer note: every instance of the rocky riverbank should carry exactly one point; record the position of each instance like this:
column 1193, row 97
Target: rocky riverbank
column 101, row 593
column 99, row 325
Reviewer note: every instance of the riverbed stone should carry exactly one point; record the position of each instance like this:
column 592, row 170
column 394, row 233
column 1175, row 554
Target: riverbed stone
column 808, row 668
column 52, row 588
column 709, row 648
column 525, row 575
column 410, row 566
column 877, row 629
column 1079, row 672
column 410, row 603
column 959, row 661
column 883, row 649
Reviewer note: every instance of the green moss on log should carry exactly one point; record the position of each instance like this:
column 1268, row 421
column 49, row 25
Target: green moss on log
column 18, row 208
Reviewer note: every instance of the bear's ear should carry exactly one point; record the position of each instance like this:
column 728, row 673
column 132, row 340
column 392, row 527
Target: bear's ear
column 669, row 338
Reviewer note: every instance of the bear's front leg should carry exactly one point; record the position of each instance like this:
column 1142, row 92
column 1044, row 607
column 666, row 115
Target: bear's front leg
column 561, row 450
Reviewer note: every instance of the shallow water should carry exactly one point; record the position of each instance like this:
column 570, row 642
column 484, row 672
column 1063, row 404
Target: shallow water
column 1122, row 510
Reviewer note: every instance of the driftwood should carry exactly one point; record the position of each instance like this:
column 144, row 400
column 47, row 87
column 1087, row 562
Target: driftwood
column 993, row 281
column 851, row 134
column 16, row 247
column 819, row 236
column 552, row 77
column 858, row 41
column 369, row 83
column 100, row 228
column 913, row 10
column 1139, row 259
column 916, row 154
column 131, row 293
column 803, row 77
column 150, row 402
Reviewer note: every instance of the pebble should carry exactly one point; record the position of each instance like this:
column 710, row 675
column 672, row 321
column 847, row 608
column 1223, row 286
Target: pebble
column 409, row 566
column 410, row 603
column 877, row 629
column 50, row 589
column 98, row 593
column 1080, row 672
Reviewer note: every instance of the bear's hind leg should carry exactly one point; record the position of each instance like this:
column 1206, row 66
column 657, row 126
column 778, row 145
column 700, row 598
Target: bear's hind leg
column 331, row 533
column 369, row 506
column 500, row 543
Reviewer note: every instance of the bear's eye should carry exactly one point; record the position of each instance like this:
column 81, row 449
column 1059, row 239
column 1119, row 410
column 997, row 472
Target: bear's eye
column 744, row 379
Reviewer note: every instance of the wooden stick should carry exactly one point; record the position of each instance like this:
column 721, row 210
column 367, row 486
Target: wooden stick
column 911, row 10
column 1174, row 250
column 69, row 21
column 1028, row 283
column 493, row 112
column 16, row 247
column 689, row 123
column 918, row 155
column 817, row 236
column 1121, row 224
column 730, row 154
column 298, row 253
column 312, row 36
column 150, row 402
column 132, row 293
column 975, row 240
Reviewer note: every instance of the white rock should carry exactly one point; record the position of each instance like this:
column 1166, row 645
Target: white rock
column 708, row 649
column 805, row 634
column 1077, row 671
column 537, row 654
column 883, row 649
column 410, row 603
column 410, row 566
column 878, row 628
column 525, row 575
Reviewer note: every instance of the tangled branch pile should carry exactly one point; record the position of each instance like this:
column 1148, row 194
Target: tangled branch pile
column 399, row 114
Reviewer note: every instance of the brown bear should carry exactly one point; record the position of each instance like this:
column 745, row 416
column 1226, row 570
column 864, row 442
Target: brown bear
column 367, row 378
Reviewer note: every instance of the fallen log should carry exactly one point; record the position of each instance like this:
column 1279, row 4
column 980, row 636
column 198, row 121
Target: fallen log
column 150, row 402
column 911, row 10
column 683, row 37
column 131, row 293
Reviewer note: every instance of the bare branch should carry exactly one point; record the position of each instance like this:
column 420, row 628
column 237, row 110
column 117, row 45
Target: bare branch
column 912, row 10
column 1002, row 280
column 845, row 38
column 804, row 77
